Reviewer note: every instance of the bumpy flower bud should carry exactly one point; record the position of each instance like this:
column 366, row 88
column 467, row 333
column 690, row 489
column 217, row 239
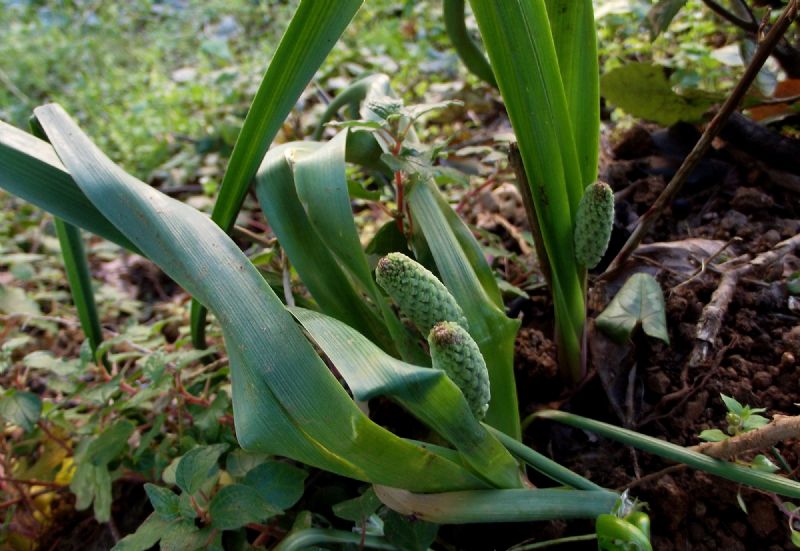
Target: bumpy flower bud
column 418, row 293
column 455, row 352
column 593, row 224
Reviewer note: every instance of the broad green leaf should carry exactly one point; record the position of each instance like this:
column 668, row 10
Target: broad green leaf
column 661, row 15
column 319, row 270
column 165, row 502
column 763, row 464
column 640, row 301
column 31, row 170
column 358, row 508
column 732, row 404
column 336, row 272
column 20, row 408
column 409, row 533
column 14, row 300
column 41, row 359
column 239, row 462
column 183, row 535
column 92, row 484
column 575, row 38
column 279, row 484
column 643, row 90
column 146, row 536
column 427, row 393
column 285, row 399
column 110, row 443
column 197, row 466
column 237, row 505
column 713, row 435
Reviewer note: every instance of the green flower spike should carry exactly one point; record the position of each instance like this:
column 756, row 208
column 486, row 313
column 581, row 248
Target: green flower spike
column 455, row 352
column 593, row 224
column 419, row 294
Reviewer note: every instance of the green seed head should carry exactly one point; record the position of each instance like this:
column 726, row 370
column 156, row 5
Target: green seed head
column 455, row 352
column 418, row 293
column 593, row 224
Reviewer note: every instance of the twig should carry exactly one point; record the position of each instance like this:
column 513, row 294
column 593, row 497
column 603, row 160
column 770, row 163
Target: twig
column 710, row 322
column 749, row 26
column 648, row 220
column 782, row 427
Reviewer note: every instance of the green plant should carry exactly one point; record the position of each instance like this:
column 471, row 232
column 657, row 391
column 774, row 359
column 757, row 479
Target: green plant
column 739, row 418
column 286, row 401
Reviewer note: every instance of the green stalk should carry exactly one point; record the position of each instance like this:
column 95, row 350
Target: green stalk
column 543, row 464
column 466, row 48
column 312, row 33
column 80, row 283
column 517, row 34
column 679, row 454
column 309, row 537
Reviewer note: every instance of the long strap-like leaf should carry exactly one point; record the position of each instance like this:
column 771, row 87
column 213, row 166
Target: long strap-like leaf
column 286, row 401
column 312, row 33
column 489, row 326
column 573, row 26
column 427, row 393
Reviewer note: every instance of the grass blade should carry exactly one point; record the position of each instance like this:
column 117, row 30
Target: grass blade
column 575, row 37
column 483, row 506
column 469, row 52
column 731, row 471
column 80, row 283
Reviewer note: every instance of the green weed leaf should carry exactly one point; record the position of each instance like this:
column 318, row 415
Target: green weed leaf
column 661, row 15
column 237, row 505
column 195, row 468
column 146, row 536
column 639, row 301
column 105, row 448
column 359, row 508
column 713, row 435
column 21, row 408
column 763, row 463
column 407, row 533
column 732, row 404
column 643, row 90
column 165, row 502
column 279, row 484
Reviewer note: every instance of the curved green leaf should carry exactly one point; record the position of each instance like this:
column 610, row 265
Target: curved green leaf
column 427, row 393
column 31, row 170
column 484, row 506
column 469, row 52
column 285, row 399
column 489, row 326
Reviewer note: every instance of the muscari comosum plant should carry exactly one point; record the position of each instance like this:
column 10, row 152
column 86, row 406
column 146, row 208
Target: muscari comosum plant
column 285, row 399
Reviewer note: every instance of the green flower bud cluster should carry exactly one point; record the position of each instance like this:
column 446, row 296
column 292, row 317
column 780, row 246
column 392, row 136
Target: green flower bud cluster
column 455, row 352
column 432, row 309
column 420, row 295
column 593, row 224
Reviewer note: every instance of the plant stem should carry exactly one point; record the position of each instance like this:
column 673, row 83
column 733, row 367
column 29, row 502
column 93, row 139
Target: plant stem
column 648, row 220
column 679, row 454
column 308, row 537
column 552, row 543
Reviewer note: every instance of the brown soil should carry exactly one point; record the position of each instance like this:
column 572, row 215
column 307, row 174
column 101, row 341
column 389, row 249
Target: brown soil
column 729, row 196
